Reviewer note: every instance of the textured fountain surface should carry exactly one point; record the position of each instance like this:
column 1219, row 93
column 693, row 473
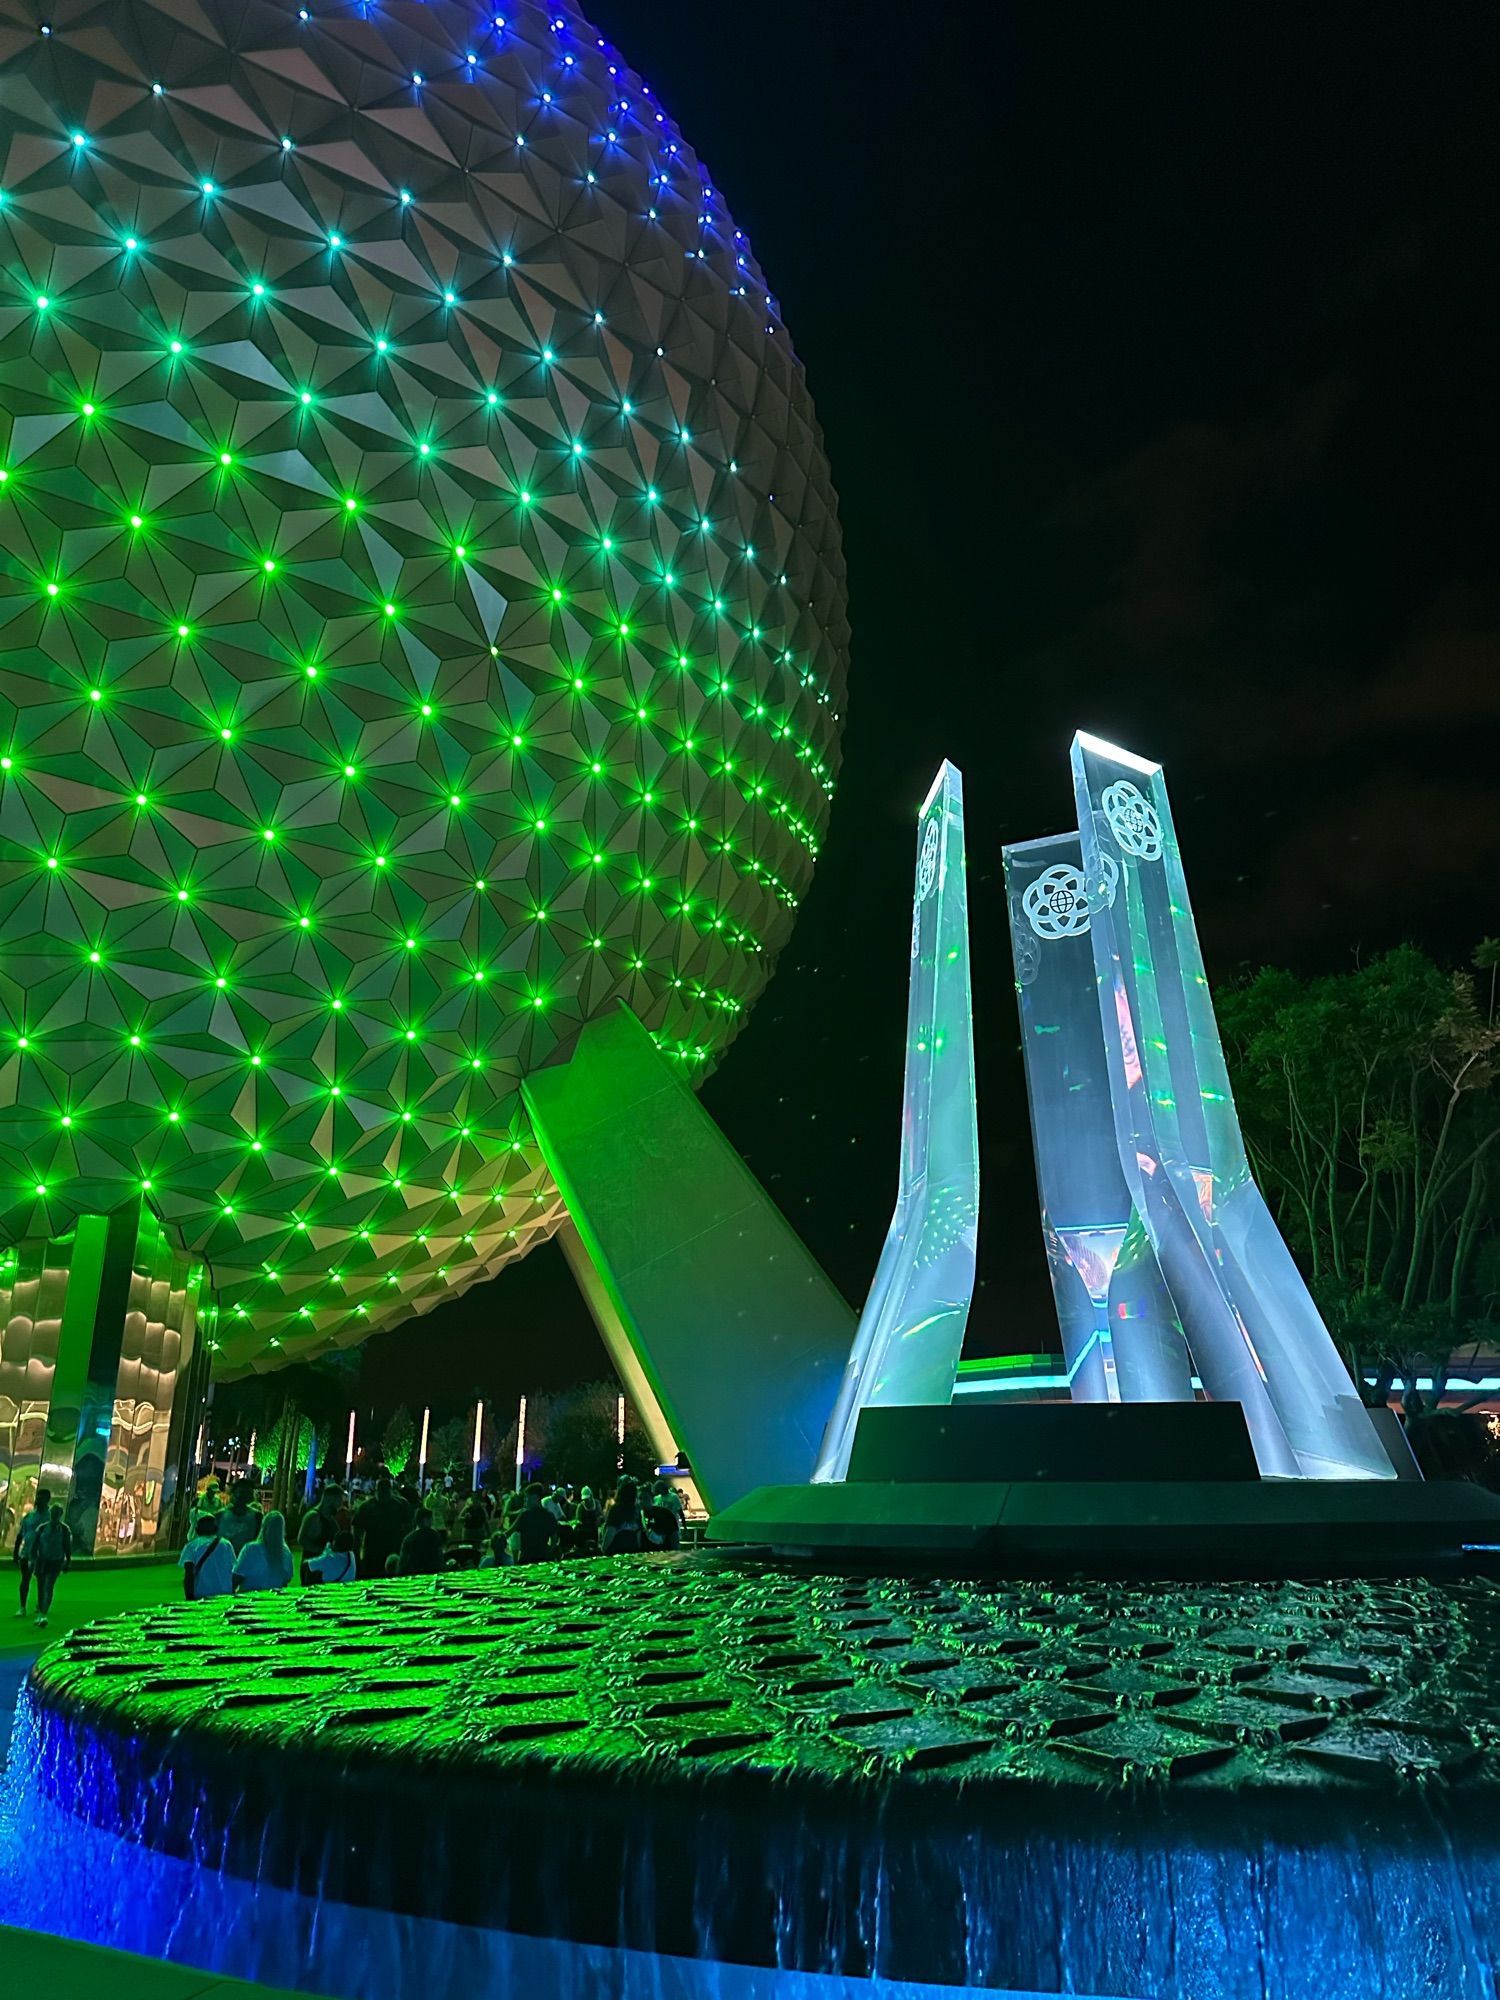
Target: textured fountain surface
column 1112, row 1788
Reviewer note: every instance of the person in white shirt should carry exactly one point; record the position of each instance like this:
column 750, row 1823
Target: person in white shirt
column 265, row 1563
column 336, row 1564
column 207, row 1563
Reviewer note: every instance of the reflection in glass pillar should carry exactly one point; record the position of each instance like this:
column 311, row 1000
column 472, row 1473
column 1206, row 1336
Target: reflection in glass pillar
column 911, row 1331
column 1255, row 1334
column 1121, row 1339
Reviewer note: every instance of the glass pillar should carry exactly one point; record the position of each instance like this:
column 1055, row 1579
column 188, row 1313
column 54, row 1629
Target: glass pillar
column 911, row 1331
column 1255, row 1334
column 1120, row 1334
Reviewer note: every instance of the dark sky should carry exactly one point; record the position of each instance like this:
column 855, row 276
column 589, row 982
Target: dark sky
column 1155, row 350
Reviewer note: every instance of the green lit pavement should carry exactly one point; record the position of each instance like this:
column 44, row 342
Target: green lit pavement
column 63, row 1970
column 82, row 1594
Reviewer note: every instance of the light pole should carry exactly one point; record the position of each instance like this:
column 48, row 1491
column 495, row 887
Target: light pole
column 349, row 1454
column 520, row 1440
column 422, row 1454
column 478, row 1428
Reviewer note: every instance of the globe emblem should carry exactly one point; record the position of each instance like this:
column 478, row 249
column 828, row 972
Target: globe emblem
column 928, row 862
column 1056, row 903
column 1133, row 820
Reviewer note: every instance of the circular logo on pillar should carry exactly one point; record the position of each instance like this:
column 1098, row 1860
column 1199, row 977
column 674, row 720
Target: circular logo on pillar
column 1055, row 903
column 1133, row 820
column 927, row 861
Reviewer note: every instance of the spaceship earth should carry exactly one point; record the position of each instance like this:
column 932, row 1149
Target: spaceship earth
column 422, row 623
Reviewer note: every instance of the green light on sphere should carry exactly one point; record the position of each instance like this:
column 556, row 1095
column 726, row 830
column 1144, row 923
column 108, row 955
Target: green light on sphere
column 369, row 695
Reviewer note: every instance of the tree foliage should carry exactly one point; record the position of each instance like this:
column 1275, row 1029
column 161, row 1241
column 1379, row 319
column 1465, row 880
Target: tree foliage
column 399, row 1439
column 574, row 1435
column 1370, row 1111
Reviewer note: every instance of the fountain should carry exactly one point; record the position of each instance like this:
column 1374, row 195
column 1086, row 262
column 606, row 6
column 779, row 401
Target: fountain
column 934, row 1722
column 687, row 1776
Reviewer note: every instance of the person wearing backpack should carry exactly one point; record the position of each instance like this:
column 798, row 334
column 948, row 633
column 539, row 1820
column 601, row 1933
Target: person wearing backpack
column 51, row 1553
column 31, row 1520
column 207, row 1563
column 620, row 1534
column 661, row 1523
column 336, row 1564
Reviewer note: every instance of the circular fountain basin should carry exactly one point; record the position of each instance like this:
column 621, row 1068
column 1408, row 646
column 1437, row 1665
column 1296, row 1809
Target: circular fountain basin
column 769, row 1780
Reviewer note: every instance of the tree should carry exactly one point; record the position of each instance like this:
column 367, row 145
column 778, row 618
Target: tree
column 1371, row 1117
column 574, row 1435
column 318, row 1391
column 271, row 1445
column 450, row 1445
column 398, row 1440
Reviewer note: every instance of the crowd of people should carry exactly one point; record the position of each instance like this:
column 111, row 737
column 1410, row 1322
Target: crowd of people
column 378, row 1528
column 393, row 1529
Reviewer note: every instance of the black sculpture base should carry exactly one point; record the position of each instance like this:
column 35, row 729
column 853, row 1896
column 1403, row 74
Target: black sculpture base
column 1144, row 1488
column 1012, row 1443
column 1175, row 1528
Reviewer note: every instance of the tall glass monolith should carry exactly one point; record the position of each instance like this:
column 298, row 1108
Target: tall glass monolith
column 1255, row 1334
column 1120, row 1335
column 911, row 1331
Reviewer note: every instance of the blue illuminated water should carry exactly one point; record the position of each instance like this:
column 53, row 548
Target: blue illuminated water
column 1353, row 1914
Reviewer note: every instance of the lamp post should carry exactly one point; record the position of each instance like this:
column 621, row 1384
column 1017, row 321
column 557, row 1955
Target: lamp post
column 478, row 1429
column 620, row 1435
column 422, row 1453
column 349, row 1453
column 520, row 1440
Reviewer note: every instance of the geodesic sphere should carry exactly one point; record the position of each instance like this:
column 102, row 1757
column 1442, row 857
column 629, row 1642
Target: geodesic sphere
column 422, row 622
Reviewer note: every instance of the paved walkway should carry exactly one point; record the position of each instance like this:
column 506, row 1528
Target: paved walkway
column 82, row 1594
column 67, row 1971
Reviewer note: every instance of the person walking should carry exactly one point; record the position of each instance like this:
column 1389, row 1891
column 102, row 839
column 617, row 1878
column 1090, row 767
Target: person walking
column 586, row 1524
column 536, row 1535
column 663, row 1529
column 239, row 1523
column 474, row 1523
column 423, row 1551
column 381, row 1524
column 51, row 1554
column 265, row 1563
column 207, row 1562
column 319, row 1527
column 620, row 1534
column 31, row 1520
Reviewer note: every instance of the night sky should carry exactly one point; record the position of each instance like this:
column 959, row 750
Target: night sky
column 1155, row 352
